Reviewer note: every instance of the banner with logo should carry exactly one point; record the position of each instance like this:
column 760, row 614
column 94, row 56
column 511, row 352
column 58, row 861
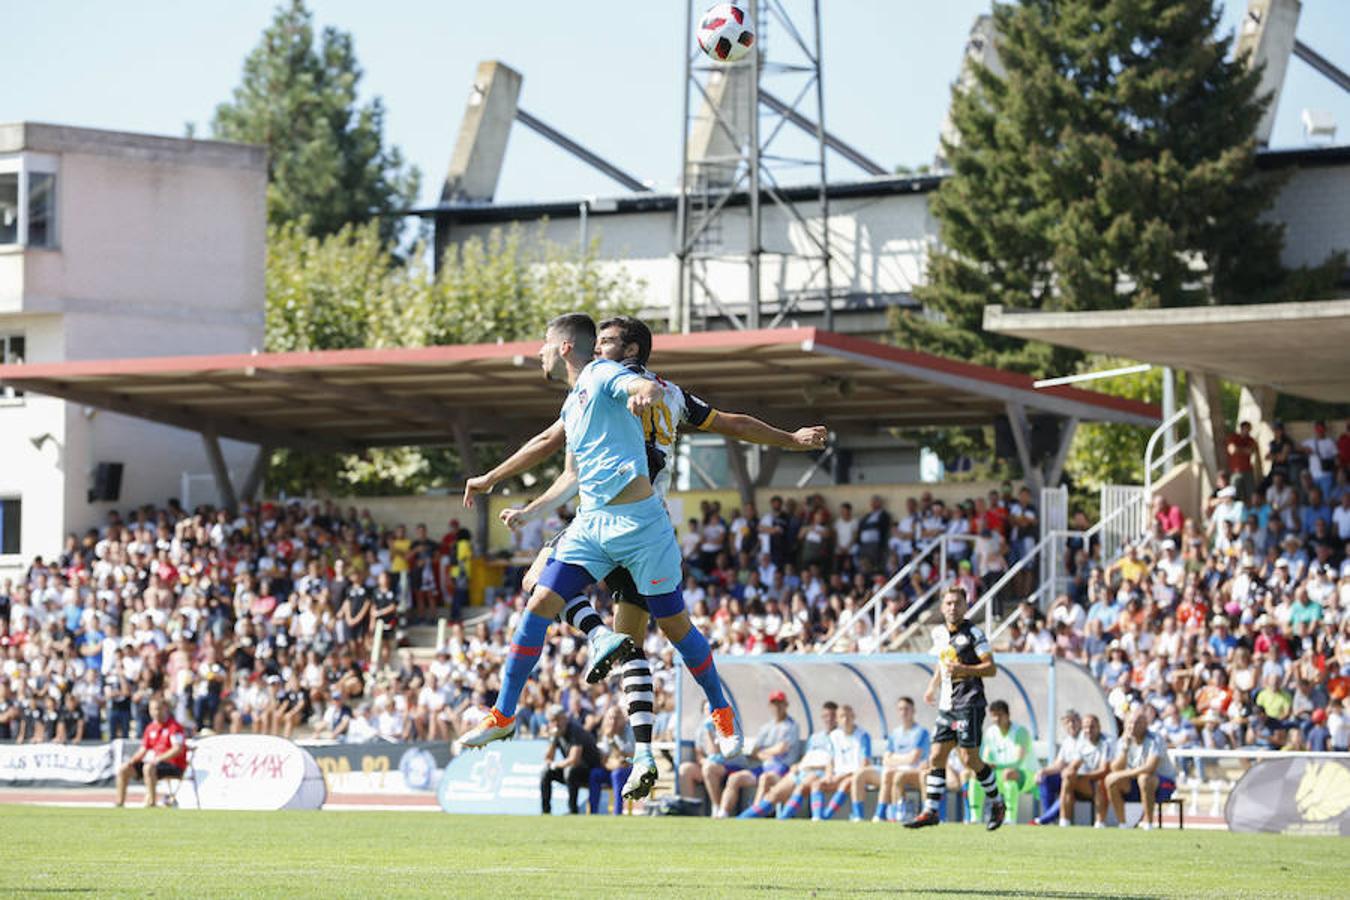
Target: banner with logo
column 1297, row 795
column 251, row 771
column 501, row 779
column 380, row 768
column 54, row 765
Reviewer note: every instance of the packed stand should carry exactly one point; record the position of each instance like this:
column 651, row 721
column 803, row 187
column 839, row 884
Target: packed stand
column 1231, row 631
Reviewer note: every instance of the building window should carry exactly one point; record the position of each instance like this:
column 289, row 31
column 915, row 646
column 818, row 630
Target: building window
column 9, row 207
column 11, row 353
column 28, row 200
column 9, row 526
column 41, row 209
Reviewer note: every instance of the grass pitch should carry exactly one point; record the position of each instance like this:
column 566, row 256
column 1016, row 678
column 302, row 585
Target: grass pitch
column 361, row 854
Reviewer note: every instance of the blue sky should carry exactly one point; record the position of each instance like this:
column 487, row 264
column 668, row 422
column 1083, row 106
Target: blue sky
column 608, row 75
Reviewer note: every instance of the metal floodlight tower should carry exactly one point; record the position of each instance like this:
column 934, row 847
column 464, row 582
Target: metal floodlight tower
column 727, row 170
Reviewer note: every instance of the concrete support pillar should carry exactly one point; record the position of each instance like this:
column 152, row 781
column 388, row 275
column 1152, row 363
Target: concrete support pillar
column 740, row 472
column 1055, row 468
column 468, row 463
column 1021, row 433
column 219, row 471
column 481, row 145
column 1209, row 428
column 254, row 480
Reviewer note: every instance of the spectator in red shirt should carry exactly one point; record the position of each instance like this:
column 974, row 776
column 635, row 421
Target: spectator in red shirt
column 1168, row 516
column 163, row 754
column 1244, row 457
column 1343, row 447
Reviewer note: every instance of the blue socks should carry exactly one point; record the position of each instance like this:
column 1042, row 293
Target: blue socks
column 1049, row 789
column 758, row 811
column 521, row 660
column 817, row 804
column 697, row 655
column 857, row 809
column 838, row 800
column 884, row 812
column 793, row 806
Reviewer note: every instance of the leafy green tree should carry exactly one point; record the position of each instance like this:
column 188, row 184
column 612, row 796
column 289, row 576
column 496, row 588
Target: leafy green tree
column 1111, row 167
column 328, row 165
column 345, row 290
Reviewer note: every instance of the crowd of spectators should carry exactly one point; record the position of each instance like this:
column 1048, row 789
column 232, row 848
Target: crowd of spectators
column 1231, row 629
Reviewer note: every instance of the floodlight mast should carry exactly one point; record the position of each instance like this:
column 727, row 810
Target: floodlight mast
column 726, row 164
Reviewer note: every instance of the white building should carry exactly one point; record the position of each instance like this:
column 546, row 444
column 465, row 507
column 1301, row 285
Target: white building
column 880, row 231
column 115, row 245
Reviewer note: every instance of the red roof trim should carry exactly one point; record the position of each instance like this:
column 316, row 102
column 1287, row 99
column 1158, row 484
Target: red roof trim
column 430, row 356
column 1015, row 380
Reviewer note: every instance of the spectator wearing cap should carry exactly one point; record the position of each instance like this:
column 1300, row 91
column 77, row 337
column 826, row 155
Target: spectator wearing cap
column 1221, row 642
column 571, row 755
column 771, row 754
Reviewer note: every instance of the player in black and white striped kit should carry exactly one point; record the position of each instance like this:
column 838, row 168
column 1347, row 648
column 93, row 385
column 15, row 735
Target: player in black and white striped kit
column 957, row 687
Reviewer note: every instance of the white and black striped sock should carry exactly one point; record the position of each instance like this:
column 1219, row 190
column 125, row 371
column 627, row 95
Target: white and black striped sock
column 582, row 616
column 937, row 787
column 637, row 689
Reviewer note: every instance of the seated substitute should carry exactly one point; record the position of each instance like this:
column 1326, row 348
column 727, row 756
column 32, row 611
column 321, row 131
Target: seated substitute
column 1141, row 769
column 770, row 755
column 907, row 748
column 163, row 754
column 802, row 779
column 1006, row 747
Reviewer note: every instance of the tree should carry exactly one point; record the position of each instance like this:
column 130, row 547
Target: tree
column 327, row 162
column 345, row 290
column 1111, row 167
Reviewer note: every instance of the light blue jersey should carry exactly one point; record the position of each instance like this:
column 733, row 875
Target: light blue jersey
column 907, row 740
column 603, row 436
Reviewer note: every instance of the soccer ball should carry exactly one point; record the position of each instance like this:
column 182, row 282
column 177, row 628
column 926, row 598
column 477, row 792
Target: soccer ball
column 725, row 33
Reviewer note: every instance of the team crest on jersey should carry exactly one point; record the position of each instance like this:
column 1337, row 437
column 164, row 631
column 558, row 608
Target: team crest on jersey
column 581, row 397
column 961, row 640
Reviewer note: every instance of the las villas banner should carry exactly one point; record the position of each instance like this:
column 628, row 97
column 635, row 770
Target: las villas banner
column 47, row 765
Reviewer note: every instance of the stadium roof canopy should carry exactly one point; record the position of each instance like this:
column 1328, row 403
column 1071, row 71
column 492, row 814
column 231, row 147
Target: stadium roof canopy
column 350, row 399
column 1297, row 348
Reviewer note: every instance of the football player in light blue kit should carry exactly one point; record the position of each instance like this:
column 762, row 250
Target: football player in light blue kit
column 621, row 522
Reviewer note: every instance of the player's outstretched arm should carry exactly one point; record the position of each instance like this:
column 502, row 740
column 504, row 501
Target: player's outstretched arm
column 643, row 393
column 755, row 431
column 563, row 489
column 531, row 453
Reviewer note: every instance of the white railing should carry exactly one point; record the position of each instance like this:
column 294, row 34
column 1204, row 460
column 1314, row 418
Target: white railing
column 876, row 602
column 985, row 602
column 1150, row 464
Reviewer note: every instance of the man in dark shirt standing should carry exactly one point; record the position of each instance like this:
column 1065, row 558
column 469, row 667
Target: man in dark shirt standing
column 957, row 689
column 572, row 754
column 874, row 533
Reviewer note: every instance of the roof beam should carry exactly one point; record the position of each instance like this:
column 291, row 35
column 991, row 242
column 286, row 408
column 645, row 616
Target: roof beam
column 414, row 411
column 189, row 419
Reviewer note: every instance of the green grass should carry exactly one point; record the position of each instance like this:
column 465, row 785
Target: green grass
column 187, row 853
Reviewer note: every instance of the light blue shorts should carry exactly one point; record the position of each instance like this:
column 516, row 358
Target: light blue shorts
column 637, row 536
